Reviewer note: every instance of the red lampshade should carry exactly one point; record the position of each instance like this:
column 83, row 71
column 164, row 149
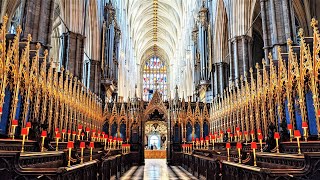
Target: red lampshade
column 74, row 132
column 63, row 130
column 193, row 139
column 259, row 131
column 228, row 130
column 79, row 127
column 0, row 110
column 207, row 138
column 228, row 145
column 93, row 130
column 297, row 134
column 253, row 145
column 304, row 125
column 115, row 138
column 14, row 122
column 91, row 144
column 197, row 139
column 106, row 136
column 237, row 128
column 28, row 125
column 231, row 135
column 87, row 129
column 245, row 133
column 216, row 133
column 82, row 134
column 69, row 131
column 103, row 133
column 239, row 145
column 44, row 134
column 201, row 139
column 318, row 113
column 260, row 137
column 56, row 130
column 240, row 133
column 24, row 131
column 221, row 132
column 210, row 134
column 252, row 132
column 99, row 132
column 290, row 126
column 82, row 145
column 276, row 135
column 58, row 135
column 111, row 137
column 70, row 144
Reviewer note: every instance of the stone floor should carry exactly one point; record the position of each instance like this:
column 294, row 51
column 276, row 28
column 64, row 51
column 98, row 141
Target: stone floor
column 156, row 169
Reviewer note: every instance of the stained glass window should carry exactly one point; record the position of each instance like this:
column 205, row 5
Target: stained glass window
column 154, row 78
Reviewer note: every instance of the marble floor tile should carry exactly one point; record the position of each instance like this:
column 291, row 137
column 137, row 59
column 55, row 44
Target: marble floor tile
column 157, row 169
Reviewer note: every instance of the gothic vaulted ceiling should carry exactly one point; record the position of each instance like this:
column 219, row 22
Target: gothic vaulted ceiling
column 155, row 22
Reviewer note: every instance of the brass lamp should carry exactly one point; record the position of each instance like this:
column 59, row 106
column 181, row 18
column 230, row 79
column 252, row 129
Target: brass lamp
column 24, row 133
column 277, row 137
column 43, row 136
column 254, row 147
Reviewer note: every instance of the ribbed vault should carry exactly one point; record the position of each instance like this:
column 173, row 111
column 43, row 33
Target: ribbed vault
column 141, row 18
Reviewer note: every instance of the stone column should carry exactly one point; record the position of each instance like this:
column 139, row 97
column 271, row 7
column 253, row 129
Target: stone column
column 221, row 77
column 235, row 59
column 215, row 82
column 37, row 20
column 278, row 25
column 240, row 54
column 95, row 71
column 73, row 51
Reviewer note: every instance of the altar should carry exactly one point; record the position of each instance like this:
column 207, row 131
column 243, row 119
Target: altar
column 155, row 154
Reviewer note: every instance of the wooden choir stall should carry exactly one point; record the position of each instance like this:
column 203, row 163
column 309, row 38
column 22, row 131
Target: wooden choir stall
column 50, row 123
column 264, row 127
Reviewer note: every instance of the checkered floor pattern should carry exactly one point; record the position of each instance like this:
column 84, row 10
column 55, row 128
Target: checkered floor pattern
column 157, row 169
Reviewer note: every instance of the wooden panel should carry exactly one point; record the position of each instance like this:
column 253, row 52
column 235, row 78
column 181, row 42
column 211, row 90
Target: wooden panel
column 155, row 154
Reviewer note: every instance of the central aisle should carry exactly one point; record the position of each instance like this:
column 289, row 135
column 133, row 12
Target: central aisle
column 156, row 169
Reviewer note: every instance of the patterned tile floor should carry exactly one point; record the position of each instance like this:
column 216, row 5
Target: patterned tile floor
column 157, row 169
